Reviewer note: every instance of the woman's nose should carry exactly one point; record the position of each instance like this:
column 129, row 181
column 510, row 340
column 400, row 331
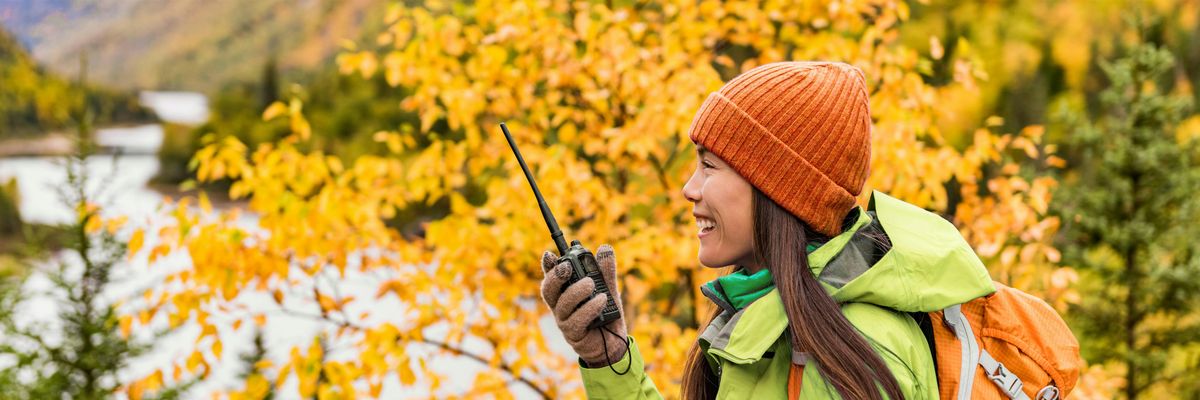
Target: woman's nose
column 691, row 189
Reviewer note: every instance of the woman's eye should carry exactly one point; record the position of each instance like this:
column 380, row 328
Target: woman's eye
column 706, row 164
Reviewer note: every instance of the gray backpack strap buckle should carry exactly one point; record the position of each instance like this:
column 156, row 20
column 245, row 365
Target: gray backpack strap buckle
column 1002, row 377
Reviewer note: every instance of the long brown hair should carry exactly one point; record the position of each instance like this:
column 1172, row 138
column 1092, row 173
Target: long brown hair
column 815, row 322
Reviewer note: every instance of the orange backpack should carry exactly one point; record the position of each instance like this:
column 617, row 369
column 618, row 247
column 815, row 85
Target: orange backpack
column 1010, row 338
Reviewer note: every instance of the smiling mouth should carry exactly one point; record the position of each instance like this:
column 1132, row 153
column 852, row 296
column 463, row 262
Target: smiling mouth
column 705, row 226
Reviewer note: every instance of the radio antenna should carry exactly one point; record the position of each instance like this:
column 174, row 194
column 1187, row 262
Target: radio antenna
column 555, row 232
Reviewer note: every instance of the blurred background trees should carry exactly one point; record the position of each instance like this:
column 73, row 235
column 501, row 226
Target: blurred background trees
column 33, row 101
column 1129, row 227
column 361, row 135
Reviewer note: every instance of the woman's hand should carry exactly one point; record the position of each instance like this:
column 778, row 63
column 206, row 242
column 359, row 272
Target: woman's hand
column 573, row 319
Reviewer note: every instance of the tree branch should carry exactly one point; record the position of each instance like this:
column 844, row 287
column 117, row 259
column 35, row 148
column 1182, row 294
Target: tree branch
column 503, row 366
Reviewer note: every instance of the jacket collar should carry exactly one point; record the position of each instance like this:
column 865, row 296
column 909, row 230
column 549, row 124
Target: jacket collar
column 743, row 336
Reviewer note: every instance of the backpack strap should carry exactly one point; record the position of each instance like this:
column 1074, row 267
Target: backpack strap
column 1002, row 377
column 970, row 348
column 973, row 354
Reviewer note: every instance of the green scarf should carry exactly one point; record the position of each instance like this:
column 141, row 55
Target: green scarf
column 740, row 289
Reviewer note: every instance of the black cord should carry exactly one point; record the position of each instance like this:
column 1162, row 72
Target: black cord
column 604, row 341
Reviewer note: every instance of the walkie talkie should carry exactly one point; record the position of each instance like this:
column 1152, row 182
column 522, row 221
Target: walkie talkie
column 583, row 262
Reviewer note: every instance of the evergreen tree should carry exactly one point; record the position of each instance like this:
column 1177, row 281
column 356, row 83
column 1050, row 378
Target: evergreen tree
column 79, row 353
column 1130, row 226
column 270, row 84
column 10, row 208
column 255, row 375
column 89, row 351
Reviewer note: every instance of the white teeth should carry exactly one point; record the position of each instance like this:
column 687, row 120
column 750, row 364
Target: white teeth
column 705, row 224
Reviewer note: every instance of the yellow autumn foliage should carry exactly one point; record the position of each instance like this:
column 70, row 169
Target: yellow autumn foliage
column 599, row 96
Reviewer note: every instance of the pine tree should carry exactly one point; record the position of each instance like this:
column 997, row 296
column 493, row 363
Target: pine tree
column 269, row 90
column 1130, row 212
column 10, row 208
column 90, row 351
column 80, row 354
column 254, row 374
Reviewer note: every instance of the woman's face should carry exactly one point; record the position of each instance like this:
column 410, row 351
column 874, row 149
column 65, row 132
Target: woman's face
column 724, row 217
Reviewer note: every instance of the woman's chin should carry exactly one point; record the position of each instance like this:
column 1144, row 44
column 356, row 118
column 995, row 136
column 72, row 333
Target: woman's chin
column 711, row 262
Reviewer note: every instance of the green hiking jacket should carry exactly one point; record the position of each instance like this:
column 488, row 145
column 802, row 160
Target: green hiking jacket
column 929, row 267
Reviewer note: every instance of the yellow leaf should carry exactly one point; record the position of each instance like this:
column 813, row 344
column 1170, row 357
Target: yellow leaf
column 393, row 285
column 159, row 251
column 393, row 65
column 205, row 205
column 126, row 323
column 257, row 386
column 93, row 224
column 208, row 329
column 1056, row 162
column 114, row 224
column 135, row 391
column 263, row 364
column 194, row 361
column 155, row 381
column 301, row 127
column 407, row 376
column 274, row 110
column 375, row 388
column 327, row 304
column 136, row 241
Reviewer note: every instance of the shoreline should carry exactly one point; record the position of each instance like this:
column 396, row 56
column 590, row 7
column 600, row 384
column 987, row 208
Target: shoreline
column 48, row 145
column 62, row 143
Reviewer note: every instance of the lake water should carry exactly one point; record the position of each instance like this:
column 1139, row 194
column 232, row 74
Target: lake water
column 120, row 184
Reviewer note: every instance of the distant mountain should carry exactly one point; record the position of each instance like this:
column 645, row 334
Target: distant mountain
column 186, row 44
column 21, row 16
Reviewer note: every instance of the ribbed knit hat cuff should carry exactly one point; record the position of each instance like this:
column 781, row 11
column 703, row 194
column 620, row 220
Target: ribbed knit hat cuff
column 770, row 165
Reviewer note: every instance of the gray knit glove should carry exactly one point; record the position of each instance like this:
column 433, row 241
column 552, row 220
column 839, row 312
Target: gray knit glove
column 590, row 344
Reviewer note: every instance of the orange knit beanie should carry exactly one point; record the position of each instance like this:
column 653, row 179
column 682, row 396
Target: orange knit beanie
column 798, row 131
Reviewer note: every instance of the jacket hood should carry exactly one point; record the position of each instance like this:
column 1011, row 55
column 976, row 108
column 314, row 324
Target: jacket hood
column 929, row 266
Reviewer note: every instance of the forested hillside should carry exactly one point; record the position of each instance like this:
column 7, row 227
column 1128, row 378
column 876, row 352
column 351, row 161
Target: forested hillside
column 33, row 100
column 187, row 44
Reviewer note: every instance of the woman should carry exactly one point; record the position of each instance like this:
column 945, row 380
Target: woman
column 816, row 306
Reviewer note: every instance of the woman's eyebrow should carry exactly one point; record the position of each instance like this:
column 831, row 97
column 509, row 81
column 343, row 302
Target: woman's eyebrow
column 701, row 152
